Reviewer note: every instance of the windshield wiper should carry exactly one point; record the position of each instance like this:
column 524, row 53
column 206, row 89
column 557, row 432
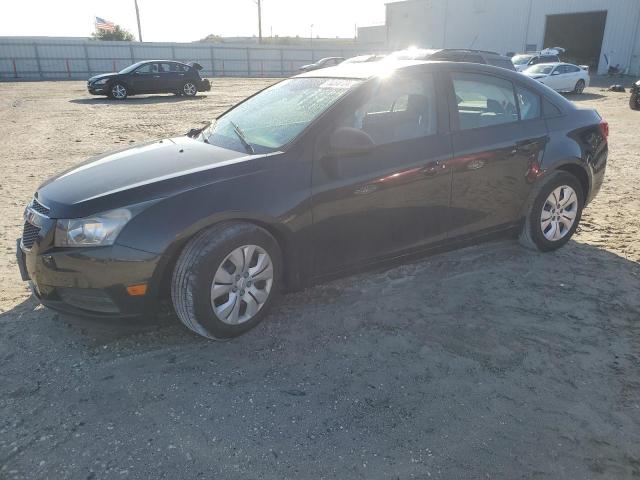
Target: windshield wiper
column 242, row 138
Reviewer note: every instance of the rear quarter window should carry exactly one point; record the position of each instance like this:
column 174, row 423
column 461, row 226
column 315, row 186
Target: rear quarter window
column 550, row 110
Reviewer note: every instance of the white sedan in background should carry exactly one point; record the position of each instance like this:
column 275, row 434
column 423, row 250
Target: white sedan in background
column 562, row 77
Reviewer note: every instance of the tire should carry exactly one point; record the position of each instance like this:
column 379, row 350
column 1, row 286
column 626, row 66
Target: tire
column 118, row 91
column 634, row 101
column 579, row 88
column 189, row 89
column 197, row 274
column 537, row 237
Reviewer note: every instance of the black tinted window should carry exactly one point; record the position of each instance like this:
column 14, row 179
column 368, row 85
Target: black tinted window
column 484, row 100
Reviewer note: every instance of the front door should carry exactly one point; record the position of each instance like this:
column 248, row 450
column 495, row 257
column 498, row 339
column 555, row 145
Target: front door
column 146, row 77
column 394, row 198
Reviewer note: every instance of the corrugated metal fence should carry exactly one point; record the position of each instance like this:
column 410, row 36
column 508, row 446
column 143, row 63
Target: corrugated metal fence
column 38, row 58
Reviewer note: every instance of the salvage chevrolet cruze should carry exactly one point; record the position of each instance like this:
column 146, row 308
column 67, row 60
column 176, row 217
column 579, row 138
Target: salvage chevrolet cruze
column 319, row 175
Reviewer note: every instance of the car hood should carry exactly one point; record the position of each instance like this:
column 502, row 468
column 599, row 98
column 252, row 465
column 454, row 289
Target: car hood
column 134, row 175
column 103, row 75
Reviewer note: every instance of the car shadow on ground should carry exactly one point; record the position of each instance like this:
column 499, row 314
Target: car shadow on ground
column 581, row 97
column 138, row 100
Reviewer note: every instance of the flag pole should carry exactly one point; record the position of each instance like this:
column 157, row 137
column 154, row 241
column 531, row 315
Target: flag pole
column 138, row 18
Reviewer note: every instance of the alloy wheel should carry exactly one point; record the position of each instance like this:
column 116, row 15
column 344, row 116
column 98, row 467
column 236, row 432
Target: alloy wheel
column 559, row 213
column 189, row 89
column 580, row 86
column 242, row 284
column 118, row 91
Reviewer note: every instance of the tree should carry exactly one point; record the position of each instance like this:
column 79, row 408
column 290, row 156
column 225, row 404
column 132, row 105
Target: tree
column 119, row 34
column 211, row 38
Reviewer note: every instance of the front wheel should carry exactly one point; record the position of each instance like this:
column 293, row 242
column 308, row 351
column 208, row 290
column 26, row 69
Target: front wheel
column 554, row 213
column 634, row 101
column 189, row 89
column 579, row 88
column 118, row 91
column 226, row 279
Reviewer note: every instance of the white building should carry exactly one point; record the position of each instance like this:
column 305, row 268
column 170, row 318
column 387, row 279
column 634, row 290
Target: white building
column 595, row 32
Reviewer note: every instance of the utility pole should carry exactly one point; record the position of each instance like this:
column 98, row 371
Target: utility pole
column 259, row 22
column 138, row 17
column 311, row 35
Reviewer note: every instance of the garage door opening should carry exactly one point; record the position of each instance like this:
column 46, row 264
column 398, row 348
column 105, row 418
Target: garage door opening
column 580, row 33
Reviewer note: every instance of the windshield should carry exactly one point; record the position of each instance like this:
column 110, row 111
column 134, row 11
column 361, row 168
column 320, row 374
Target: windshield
column 131, row 68
column 521, row 59
column 546, row 69
column 277, row 115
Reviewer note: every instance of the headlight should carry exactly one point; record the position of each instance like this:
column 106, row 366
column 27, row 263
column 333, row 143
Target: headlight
column 102, row 81
column 98, row 230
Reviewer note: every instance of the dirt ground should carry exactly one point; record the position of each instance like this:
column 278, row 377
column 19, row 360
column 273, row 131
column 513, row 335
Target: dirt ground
column 489, row 362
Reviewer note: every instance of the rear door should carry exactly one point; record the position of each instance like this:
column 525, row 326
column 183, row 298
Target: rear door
column 499, row 135
column 396, row 197
column 168, row 80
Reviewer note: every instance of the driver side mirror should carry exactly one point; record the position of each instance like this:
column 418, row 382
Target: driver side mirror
column 347, row 141
column 555, row 72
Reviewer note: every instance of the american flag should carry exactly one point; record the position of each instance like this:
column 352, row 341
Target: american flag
column 106, row 25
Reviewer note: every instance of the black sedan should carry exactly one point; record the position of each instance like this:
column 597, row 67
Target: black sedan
column 153, row 76
column 317, row 176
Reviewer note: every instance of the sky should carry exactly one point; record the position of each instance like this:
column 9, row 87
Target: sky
column 190, row 20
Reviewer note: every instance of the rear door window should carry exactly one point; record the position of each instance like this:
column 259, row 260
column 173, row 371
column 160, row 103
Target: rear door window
column 483, row 100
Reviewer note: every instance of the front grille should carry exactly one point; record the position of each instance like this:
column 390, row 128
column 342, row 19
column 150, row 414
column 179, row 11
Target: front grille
column 38, row 207
column 29, row 235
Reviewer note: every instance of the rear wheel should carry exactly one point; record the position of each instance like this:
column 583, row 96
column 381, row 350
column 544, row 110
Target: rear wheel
column 189, row 89
column 634, row 101
column 579, row 88
column 554, row 213
column 118, row 91
column 226, row 279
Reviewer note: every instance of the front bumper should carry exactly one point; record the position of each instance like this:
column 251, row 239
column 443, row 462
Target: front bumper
column 97, row 89
column 91, row 281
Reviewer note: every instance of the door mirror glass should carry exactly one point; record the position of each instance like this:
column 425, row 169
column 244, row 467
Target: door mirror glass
column 346, row 141
column 556, row 72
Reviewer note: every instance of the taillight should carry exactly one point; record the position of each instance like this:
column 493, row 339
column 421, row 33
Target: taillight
column 604, row 128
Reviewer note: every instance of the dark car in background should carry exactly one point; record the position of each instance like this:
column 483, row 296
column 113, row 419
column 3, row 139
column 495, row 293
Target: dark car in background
column 151, row 76
column 319, row 175
column 634, row 100
column 453, row 55
column 322, row 63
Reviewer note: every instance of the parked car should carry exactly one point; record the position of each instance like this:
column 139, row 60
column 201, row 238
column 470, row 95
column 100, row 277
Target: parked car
column 562, row 77
column 634, row 100
column 374, row 57
column 522, row 61
column 153, row 76
column 322, row 63
column 453, row 55
column 316, row 176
